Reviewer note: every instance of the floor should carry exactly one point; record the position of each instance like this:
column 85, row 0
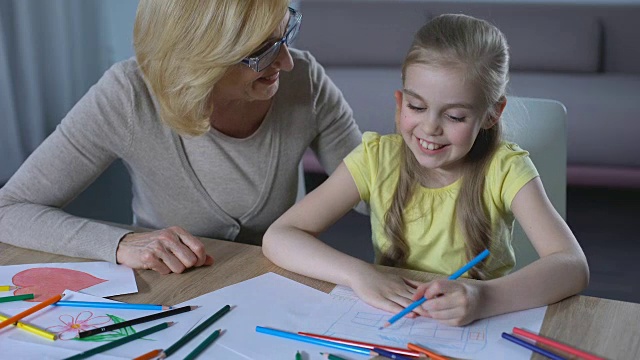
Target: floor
column 603, row 221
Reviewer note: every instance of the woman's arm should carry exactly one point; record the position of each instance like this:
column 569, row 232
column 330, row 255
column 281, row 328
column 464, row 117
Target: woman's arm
column 97, row 131
column 291, row 242
column 560, row 272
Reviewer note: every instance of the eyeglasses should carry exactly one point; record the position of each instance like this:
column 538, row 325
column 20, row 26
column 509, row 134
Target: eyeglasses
column 266, row 55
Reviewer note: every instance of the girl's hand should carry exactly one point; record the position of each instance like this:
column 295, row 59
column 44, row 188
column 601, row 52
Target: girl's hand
column 384, row 291
column 453, row 303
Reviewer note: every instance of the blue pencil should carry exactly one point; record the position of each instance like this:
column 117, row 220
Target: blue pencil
column 389, row 354
column 532, row 347
column 453, row 276
column 310, row 340
column 109, row 305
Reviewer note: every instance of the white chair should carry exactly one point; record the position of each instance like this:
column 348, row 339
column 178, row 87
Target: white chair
column 539, row 126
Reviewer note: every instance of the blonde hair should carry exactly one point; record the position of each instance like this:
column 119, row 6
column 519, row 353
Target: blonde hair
column 184, row 47
column 481, row 49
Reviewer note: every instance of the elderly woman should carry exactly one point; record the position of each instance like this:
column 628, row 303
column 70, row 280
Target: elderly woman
column 211, row 118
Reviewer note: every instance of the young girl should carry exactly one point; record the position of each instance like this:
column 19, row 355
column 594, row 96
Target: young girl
column 442, row 190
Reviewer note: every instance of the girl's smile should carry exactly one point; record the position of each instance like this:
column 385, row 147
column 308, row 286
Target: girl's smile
column 430, row 147
column 440, row 116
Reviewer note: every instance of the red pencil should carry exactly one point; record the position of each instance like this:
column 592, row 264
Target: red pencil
column 30, row 310
column 362, row 344
column 555, row 344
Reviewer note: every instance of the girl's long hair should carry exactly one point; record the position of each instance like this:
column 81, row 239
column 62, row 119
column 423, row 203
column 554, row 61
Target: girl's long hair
column 481, row 49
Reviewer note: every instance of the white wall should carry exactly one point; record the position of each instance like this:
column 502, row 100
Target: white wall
column 117, row 24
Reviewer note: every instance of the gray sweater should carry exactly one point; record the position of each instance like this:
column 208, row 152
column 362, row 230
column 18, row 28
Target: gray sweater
column 213, row 185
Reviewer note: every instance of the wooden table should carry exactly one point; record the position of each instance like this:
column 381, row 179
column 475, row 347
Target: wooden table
column 604, row 327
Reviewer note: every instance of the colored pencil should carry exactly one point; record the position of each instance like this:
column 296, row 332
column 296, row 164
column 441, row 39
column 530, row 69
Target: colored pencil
column 531, row 347
column 124, row 340
column 31, row 328
column 7, row 287
column 425, row 351
column 555, row 344
column 192, row 355
column 16, row 298
column 362, row 344
column 453, row 276
column 389, row 354
column 331, row 356
column 150, row 355
column 30, row 311
column 112, row 305
column 140, row 320
column 310, row 340
column 298, row 355
column 193, row 333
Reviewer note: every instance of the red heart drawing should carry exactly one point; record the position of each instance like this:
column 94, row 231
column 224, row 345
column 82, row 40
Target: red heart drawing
column 46, row 282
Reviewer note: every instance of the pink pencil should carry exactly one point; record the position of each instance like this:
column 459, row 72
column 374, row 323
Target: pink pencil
column 555, row 344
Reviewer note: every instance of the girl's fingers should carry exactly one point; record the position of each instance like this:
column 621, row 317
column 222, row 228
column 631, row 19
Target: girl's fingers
column 412, row 283
column 451, row 316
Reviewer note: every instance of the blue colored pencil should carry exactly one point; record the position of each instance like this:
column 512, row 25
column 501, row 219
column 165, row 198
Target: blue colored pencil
column 310, row 340
column 532, row 347
column 110, row 305
column 389, row 354
column 453, row 276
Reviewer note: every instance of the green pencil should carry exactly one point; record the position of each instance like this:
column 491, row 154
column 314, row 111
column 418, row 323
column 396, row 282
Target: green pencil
column 331, row 356
column 16, row 298
column 193, row 333
column 298, row 355
column 192, row 355
column 113, row 344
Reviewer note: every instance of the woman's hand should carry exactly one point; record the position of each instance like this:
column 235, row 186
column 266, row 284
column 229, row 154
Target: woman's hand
column 453, row 303
column 165, row 251
column 384, row 291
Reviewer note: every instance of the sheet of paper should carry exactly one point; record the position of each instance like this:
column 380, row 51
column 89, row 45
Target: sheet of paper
column 268, row 300
column 354, row 319
column 273, row 301
column 67, row 321
column 46, row 280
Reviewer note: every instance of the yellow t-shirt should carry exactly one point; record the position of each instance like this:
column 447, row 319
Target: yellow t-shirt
column 436, row 241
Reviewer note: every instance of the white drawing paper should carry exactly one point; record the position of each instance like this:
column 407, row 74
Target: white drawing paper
column 274, row 301
column 482, row 339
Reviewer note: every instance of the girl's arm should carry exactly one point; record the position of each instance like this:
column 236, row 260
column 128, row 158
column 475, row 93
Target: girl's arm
column 291, row 242
column 560, row 272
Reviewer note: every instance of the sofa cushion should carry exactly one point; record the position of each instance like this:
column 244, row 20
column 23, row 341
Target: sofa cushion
column 602, row 111
column 378, row 34
column 558, row 42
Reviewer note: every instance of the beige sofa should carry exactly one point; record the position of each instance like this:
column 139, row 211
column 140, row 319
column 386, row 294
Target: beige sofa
column 583, row 54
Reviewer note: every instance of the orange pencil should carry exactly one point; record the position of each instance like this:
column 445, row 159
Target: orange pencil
column 366, row 345
column 150, row 355
column 429, row 353
column 30, row 311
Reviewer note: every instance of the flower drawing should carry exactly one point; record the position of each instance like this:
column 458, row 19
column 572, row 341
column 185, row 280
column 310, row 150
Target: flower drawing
column 72, row 326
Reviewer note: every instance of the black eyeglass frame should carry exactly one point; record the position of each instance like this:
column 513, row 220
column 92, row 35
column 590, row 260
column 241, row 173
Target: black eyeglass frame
column 263, row 58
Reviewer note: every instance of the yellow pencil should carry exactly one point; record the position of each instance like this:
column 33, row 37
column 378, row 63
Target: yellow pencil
column 7, row 287
column 32, row 328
